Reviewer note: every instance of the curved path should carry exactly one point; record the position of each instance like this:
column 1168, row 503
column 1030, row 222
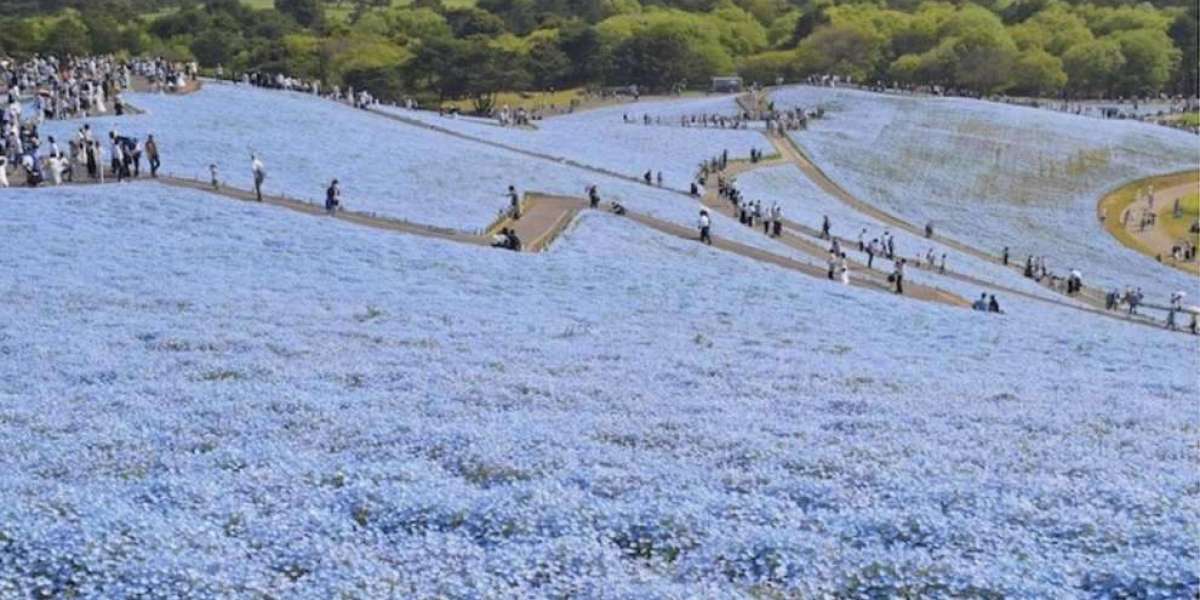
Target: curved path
column 1118, row 210
column 788, row 148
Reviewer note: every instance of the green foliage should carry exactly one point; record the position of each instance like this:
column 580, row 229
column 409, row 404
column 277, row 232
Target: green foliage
column 1092, row 66
column 768, row 66
column 1150, row 58
column 1038, row 73
column 470, row 49
column 69, row 36
column 308, row 13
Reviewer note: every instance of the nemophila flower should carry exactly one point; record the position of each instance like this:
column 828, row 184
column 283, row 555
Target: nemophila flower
column 191, row 406
column 992, row 174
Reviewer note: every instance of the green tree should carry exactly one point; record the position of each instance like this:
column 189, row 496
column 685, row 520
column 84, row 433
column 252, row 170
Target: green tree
column 308, row 13
column 660, row 58
column 1038, row 73
column 850, row 49
column 216, row 46
column 104, row 33
column 1185, row 32
column 68, row 37
column 1092, row 66
column 1150, row 58
column 768, row 66
column 548, row 65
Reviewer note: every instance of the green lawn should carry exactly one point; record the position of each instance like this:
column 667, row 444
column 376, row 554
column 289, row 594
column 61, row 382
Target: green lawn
column 1180, row 228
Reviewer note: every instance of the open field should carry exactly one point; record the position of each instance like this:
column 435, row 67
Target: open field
column 202, row 397
column 996, row 175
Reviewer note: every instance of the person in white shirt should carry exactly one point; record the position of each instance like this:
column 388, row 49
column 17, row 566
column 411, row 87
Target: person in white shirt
column 260, row 174
column 705, row 226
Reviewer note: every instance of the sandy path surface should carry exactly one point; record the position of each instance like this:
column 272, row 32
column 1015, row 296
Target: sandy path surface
column 1121, row 216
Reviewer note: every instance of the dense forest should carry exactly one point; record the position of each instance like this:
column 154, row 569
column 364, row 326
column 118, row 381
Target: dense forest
column 463, row 48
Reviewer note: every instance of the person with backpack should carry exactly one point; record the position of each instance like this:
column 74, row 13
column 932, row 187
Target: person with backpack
column 260, row 175
column 333, row 195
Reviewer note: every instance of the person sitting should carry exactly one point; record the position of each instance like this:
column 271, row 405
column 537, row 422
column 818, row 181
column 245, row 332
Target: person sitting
column 617, row 208
column 994, row 305
column 507, row 239
column 981, row 304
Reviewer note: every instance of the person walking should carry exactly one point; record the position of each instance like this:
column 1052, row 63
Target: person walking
column 825, row 227
column 705, row 226
column 593, row 196
column 260, row 175
column 152, row 156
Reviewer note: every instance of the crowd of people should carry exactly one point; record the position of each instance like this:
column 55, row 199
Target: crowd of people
column 278, row 81
column 64, row 89
column 167, row 76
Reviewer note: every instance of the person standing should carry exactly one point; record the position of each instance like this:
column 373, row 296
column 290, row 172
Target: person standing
column 514, row 201
column 260, row 175
column 898, row 276
column 118, row 158
column 1005, row 257
column 152, row 156
column 705, row 226
column 872, row 250
column 825, row 227
column 333, row 198
column 593, row 196
column 3, row 171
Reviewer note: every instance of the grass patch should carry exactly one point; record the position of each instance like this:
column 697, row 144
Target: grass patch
column 527, row 100
column 1189, row 208
column 1114, row 203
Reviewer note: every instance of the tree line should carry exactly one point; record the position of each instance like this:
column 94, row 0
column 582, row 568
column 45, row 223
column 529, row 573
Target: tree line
column 449, row 49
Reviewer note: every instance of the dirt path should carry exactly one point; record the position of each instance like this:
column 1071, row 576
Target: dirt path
column 510, row 148
column 1120, row 212
column 858, row 270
